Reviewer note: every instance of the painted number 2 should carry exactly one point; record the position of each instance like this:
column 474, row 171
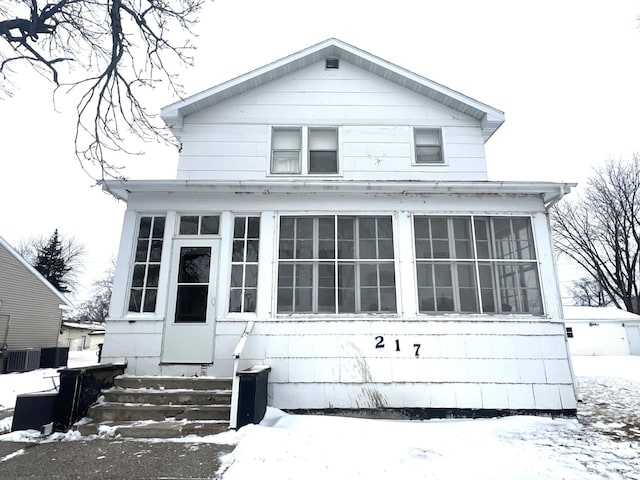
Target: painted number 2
column 380, row 344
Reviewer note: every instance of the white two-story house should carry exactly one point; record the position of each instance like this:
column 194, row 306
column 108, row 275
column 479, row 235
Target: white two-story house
column 333, row 211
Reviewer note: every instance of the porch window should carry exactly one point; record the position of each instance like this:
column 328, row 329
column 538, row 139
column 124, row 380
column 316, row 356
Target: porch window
column 336, row 264
column 244, row 264
column 476, row 265
column 146, row 266
column 199, row 224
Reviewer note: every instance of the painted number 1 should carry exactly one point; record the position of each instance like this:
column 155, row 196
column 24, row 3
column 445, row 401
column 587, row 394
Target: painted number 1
column 380, row 344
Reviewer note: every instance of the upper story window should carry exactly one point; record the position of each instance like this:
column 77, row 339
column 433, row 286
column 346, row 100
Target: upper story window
column 336, row 264
column 476, row 265
column 304, row 150
column 428, row 142
column 199, row 224
column 286, row 146
column 146, row 264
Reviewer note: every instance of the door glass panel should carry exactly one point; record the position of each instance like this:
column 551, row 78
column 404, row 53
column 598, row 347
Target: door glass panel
column 191, row 304
column 194, row 265
column 193, row 285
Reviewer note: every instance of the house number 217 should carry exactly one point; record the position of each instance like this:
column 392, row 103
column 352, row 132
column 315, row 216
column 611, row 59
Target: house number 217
column 380, row 344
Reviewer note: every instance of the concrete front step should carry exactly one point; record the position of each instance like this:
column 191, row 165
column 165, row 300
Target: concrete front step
column 167, row 397
column 160, row 407
column 145, row 429
column 103, row 412
column 173, row 383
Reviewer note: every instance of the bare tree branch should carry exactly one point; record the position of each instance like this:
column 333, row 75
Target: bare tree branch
column 107, row 52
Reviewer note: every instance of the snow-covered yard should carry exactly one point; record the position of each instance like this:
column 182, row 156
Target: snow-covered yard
column 604, row 443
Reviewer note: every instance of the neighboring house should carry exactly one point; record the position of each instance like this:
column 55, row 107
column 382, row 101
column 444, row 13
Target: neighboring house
column 30, row 309
column 333, row 210
column 602, row 331
column 81, row 336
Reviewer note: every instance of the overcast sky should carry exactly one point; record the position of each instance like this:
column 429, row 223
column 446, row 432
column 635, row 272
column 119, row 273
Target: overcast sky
column 565, row 72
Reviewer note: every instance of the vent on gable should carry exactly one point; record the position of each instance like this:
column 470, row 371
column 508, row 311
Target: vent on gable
column 332, row 64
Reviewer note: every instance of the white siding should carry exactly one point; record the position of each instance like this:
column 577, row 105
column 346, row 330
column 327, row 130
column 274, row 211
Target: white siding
column 231, row 140
column 493, row 362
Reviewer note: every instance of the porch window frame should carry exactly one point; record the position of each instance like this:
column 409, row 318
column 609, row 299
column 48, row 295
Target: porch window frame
column 476, row 260
column 244, row 263
column 336, row 261
column 146, row 263
column 200, row 215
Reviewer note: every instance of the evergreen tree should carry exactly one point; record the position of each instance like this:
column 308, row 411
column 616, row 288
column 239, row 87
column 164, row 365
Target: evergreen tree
column 50, row 262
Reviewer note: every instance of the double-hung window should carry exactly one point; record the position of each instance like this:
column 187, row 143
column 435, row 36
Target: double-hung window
column 428, row 142
column 304, row 150
column 323, row 150
column 146, row 264
column 286, row 148
column 336, row 264
column 476, row 265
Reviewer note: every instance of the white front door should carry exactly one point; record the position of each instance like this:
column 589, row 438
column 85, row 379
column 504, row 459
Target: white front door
column 190, row 323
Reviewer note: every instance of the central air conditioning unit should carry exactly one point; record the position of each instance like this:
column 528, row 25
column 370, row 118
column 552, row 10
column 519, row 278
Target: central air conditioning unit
column 22, row 360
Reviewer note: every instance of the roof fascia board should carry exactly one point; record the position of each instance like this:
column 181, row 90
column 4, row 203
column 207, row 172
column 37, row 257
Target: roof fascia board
column 548, row 191
column 28, row 266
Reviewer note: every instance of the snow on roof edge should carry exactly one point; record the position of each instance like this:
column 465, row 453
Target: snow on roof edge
column 574, row 312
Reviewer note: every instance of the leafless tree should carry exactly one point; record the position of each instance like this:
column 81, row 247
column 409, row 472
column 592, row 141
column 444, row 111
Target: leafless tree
column 72, row 253
column 105, row 52
column 588, row 292
column 96, row 309
column 600, row 230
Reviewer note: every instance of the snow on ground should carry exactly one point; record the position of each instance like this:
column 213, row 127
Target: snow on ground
column 603, row 443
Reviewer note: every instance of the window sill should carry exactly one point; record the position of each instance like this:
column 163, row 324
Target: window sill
column 507, row 317
column 441, row 164
column 336, row 317
column 304, row 175
column 140, row 317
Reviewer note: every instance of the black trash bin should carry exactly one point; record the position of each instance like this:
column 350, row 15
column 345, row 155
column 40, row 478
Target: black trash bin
column 252, row 398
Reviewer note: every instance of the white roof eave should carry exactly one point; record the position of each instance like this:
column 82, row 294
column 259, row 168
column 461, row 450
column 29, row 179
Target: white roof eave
column 490, row 117
column 549, row 192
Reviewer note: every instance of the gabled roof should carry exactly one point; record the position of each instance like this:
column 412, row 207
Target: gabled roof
column 9, row 248
column 489, row 117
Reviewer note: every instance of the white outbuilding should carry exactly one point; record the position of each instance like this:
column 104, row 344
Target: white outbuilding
column 602, row 331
